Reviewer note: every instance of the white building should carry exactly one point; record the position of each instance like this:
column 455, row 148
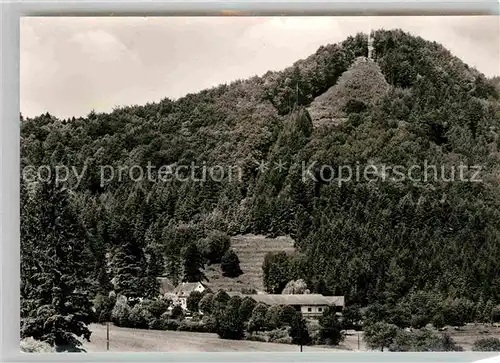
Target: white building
column 311, row 305
column 180, row 294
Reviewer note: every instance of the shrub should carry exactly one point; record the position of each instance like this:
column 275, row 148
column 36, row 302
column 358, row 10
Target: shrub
column 351, row 317
column 30, row 345
column 206, row 303
column 486, row 313
column 215, row 246
column 273, row 317
column 401, row 342
column 299, row 332
column 235, row 302
column 196, row 317
column 419, row 308
column 193, row 326
column 354, row 105
column 289, row 316
column 210, row 323
column 374, row 313
column 230, row 325
column 220, row 301
column 276, row 269
column 246, row 308
column 487, row 345
column 495, row 314
column 156, row 324
column 258, row 319
column 449, row 345
column 230, row 264
column 121, row 311
column 295, row 287
column 330, row 327
column 257, row 338
column 399, row 315
column 171, row 324
column 186, row 325
column 140, row 317
column 193, row 301
column 158, row 307
column 177, row 312
column 380, row 335
column 166, row 323
column 284, row 340
column 458, row 311
column 313, row 328
column 438, row 320
column 422, row 340
column 276, row 334
column 103, row 305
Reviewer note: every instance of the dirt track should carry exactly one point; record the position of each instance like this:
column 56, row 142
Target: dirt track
column 138, row 340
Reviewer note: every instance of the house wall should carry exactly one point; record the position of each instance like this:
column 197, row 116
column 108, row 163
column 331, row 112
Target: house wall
column 180, row 300
column 200, row 288
column 312, row 309
column 183, row 302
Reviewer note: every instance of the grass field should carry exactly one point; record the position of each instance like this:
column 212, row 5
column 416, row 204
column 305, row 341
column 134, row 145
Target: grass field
column 467, row 335
column 138, row 340
column 251, row 250
column 464, row 336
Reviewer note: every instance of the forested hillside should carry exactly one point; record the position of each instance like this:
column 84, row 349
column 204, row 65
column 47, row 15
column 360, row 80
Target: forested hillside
column 375, row 242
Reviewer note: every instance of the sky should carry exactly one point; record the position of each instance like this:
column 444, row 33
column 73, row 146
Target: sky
column 70, row 66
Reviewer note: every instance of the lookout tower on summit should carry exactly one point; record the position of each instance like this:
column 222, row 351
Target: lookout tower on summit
column 370, row 46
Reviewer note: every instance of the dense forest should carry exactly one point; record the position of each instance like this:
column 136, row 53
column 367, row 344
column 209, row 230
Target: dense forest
column 378, row 243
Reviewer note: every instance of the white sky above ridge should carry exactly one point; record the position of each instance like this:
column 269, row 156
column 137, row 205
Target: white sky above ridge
column 70, row 66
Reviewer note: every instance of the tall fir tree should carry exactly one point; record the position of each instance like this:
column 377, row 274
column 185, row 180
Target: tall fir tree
column 129, row 265
column 193, row 264
column 55, row 298
column 154, row 270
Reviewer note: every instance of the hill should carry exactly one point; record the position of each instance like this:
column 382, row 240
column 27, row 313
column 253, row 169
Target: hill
column 381, row 241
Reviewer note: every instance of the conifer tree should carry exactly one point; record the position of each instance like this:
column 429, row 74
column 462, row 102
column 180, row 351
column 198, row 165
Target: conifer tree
column 128, row 232
column 230, row 264
column 129, row 267
column 487, row 312
column 298, row 330
column 193, row 265
column 173, row 267
column 55, row 298
column 104, row 285
column 230, row 324
column 153, row 271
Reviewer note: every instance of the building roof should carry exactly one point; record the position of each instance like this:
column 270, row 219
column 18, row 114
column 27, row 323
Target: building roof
column 187, row 288
column 298, row 299
column 166, row 285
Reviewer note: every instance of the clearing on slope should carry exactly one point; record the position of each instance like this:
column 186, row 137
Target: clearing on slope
column 251, row 250
column 362, row 85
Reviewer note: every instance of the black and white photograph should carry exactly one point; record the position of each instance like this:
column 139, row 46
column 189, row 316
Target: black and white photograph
column 260, row 184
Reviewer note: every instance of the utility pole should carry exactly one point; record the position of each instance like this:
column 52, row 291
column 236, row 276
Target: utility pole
column 358, row 340
column 107, row 335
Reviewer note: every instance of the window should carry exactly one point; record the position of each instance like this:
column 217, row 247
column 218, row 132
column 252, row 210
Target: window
column 309, row 309
column 320, row 309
